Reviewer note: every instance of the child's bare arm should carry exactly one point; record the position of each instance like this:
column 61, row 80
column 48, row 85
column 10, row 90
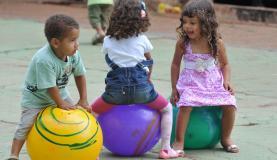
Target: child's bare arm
column 82, row 89
column 225, row 67
column 55, row 95
column 148, row 57
column 175, row 69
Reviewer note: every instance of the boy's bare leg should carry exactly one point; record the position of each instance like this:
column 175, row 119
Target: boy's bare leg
column 16, row 147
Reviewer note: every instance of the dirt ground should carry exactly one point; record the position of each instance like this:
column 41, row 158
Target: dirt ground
column 242, row 34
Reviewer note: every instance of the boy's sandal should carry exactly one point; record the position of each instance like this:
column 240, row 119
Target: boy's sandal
column 231, row 148
column 13, row 158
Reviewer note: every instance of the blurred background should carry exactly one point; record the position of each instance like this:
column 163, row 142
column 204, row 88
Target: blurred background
column 248, row 28
column 242, row 10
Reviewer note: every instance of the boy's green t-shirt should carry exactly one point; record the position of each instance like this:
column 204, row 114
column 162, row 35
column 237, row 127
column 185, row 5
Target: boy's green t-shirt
column 90, row 2
column 47, row 71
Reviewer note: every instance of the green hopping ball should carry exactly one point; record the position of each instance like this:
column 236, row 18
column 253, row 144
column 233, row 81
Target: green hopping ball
column 204, row 127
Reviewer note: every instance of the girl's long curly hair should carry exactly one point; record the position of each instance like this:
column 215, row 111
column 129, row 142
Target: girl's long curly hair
column 127, row 19
column 204, row 10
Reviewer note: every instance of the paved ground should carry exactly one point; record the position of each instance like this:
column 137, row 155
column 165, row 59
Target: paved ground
column 252, row 52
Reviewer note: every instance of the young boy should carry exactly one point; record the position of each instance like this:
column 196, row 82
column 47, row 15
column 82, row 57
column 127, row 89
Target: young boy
column 48, row 75
column 99, row 13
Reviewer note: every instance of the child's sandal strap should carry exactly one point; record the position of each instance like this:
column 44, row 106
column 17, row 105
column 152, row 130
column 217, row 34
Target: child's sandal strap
column 232, row 148
column 13, row 158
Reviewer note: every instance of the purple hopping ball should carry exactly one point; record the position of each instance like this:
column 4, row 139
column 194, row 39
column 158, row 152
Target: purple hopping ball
column 130, row 130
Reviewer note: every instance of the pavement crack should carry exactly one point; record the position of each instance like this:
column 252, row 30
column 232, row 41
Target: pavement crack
column 160, row 79
column 272, row 151
column 268, row 105
column 16, row 50
column 252, row 94
column 249, row 124
column 97, row 69
column 2, row 87
column 7, row 122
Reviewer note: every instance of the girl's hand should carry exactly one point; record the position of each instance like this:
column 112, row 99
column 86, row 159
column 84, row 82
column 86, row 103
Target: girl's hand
column 84, row 104
column 228, row 87
column 174, row 97
column 149, row 80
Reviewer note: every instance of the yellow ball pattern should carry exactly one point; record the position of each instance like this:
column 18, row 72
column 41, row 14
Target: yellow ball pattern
column 64, row 135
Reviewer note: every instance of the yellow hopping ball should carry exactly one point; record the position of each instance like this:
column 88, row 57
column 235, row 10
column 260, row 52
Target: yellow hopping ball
column 64, row 135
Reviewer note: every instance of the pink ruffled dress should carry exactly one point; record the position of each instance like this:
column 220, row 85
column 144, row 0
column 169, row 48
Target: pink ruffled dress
column 201, row 82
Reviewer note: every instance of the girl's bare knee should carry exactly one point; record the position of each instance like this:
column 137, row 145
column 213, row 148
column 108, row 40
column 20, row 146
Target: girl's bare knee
column 229, row 108
column 185, row 109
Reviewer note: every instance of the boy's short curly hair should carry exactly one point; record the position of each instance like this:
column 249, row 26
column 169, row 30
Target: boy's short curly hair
column 57, row 26
column 127, row 20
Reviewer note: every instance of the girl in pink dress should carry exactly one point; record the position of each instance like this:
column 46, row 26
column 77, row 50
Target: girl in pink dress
column 205, row 79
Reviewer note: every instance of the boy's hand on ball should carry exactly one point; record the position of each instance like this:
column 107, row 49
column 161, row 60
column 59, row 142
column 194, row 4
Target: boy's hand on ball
column 84, row 104
column 66, row 106
column 88, row 108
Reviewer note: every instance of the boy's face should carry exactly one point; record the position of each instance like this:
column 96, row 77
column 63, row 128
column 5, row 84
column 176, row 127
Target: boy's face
column 191, row 26
column 68, row 45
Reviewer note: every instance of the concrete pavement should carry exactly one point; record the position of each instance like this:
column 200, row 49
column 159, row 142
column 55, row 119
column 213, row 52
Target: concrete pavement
column 254, row 76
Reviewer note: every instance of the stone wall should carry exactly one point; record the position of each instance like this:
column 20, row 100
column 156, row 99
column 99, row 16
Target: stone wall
column 60, row 1
column 243, row 13
column 231, row 13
